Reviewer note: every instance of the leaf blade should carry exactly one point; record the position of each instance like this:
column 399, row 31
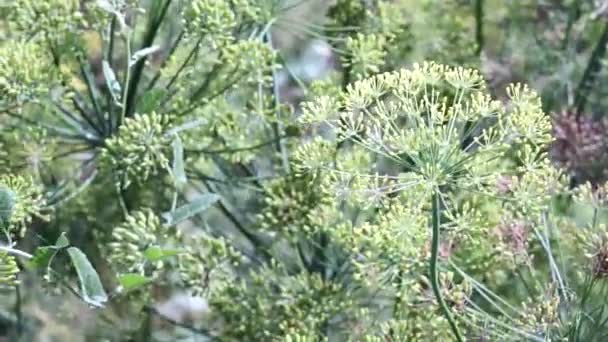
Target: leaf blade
column 131, row 281
column 111, row 81
column 91, row 288
column 191, row 209
column 142, row 53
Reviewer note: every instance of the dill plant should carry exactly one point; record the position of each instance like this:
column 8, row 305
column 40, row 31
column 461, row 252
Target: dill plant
column 458, row 187
column 146, row 150
column 124, row 119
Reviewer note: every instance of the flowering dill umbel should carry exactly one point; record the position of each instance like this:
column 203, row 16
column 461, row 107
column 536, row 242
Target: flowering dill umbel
column 25, row 72
column 139, row 150
column 8, row 271
column 436, row 121
column 27, row 202
column 465, row 159
column 132, row 238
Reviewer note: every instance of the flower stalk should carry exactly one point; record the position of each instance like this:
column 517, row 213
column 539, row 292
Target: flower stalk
column 434, row 276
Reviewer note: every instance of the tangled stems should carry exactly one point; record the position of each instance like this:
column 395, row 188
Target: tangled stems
column 433, row 267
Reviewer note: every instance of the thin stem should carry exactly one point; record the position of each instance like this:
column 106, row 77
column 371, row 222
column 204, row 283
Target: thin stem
column 167, row 58
column 192, row 53
column 479, row 25
column 90, row 86
column 434, row 276
column 155, row 312
column 17, row 252
column 594, row 219
column 108, row 127
column 238, row 149
column 277, row 127
column 125, row 95
column 155, row 21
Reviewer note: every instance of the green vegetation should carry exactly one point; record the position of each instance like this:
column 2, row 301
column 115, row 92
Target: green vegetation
column 293, row 170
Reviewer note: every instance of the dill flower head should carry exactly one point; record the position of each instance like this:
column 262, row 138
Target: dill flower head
column 53, row 21
column 435, row 121
column 289, row 205
column 131, row 239
column 21, row 201
column 433, row 130
column 540, row 315
column 25, row 71
column 8, row 271
column 139, row 150
column 203, row 259
column 594, row 244
column 210, row 17
column 366, row 54
column 275, row 303
column 514, row 235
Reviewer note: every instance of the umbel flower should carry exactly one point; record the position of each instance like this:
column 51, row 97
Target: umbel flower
column 439, row 126
column 8, row 270
column 25, row 72
column 435, row 121
column 290, row 204
column 132, row 238
column 139, row 150
column 21, row 201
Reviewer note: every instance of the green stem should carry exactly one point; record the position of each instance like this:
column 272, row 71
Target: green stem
column 157, row 15
column 479, row 25
column 125, row 95
column 434, row 276
column 16, row 252
column 594, row 219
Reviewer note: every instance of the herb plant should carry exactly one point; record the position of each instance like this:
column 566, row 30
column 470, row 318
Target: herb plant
column 176, row 170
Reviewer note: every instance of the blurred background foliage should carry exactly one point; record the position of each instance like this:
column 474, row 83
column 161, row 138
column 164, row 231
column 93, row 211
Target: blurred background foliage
column 180, row 173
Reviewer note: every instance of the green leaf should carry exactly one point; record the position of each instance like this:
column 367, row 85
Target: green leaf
column 150, row 101
column 42, row 257
column 111, row 81
column 179, row 173
column 155, row 253
column 62, row 241
column 131, row 281
column 142, row 53
column 7, row 204
column 90, row 285
column 187, row 211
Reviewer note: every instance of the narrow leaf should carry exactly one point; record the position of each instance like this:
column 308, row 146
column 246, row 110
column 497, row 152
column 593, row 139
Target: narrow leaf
column 155, row 253
column 90, row 285
column 131, row 281
column 191, row 209
column 111, row 80
column 143, row 53
column 42, row 257
column 179, row 173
